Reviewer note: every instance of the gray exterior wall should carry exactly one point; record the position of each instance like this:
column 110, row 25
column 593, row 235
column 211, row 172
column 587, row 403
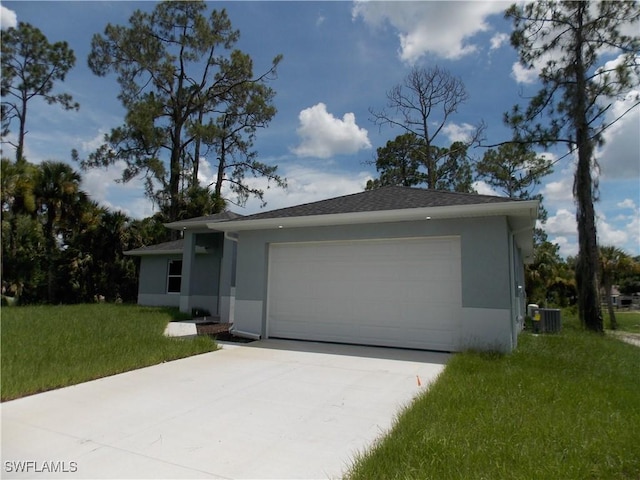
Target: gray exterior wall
column 210, row 277
column 486, row 271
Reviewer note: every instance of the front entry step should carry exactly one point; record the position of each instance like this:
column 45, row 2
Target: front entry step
column 209, row 325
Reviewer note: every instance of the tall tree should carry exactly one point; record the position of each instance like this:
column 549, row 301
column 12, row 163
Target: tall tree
column 176, row 77
column 401, row 162
column 516, row 170
column 31, row 66
column 60, row 201
column 22, row 236
column 422, row 106
column 568, row 42
column 243, row 110
column 513, row 168
column 398, row 162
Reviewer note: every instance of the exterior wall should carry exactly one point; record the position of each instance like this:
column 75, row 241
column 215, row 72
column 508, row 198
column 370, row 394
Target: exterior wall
column 153, row 277
column 486, row 276
column 152, row 286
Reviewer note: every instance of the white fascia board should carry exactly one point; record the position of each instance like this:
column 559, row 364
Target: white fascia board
column 201, row 227
column 527, row 209
column 151, row 253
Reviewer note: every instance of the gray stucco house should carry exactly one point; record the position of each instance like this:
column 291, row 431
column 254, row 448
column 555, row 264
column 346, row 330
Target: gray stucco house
column 395, row 266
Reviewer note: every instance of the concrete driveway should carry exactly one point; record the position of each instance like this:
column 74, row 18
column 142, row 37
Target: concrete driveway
column 269, row 409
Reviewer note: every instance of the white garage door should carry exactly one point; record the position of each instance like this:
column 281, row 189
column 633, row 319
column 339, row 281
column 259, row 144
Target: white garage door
column 393, row 292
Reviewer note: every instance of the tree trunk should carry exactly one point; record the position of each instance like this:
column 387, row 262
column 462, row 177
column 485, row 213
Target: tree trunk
column 612, row 314
column 174, row 177
column 221, row 166
column 22, row 116
column 588, row 257
column 196, row 154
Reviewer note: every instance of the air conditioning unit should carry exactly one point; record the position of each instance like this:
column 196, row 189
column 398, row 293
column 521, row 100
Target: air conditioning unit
column 545, row 320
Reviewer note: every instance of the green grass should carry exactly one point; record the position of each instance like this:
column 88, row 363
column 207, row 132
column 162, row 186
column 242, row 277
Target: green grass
column 627, row 321
column 563, row 406
column 47, row 347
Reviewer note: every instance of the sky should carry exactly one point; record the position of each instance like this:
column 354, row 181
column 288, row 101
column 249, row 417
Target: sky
column 339, row 61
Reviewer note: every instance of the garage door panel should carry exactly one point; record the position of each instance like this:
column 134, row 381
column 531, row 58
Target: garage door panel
column 396, row 292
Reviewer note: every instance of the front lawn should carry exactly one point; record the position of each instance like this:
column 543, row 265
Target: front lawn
column 47, row 347
column 628, row 321
column 561, row 406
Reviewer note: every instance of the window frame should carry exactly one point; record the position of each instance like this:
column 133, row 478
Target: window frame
column 173, row 276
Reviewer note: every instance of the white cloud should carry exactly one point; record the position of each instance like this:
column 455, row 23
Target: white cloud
column 459, row 133
column 305, row 184
column 522, row 74
column 485, row 189
column 633, row 228
column 609, row 235
column 567, row 247
column 558, row 191
column 441, row 28
column 128, row 198
column 205, row 172
column 498, row 40
column 8, row 18
column 626, row 203
column 619, row 156
column 562, row 223
column 322, row 135
column 93, row 144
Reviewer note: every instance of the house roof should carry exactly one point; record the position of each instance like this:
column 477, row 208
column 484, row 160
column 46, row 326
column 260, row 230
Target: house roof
column 166, row 248
column 174, row 247
column 385, row 198
column 382, row 205
column 386, row 204
column 199, row 222
column 395, row 204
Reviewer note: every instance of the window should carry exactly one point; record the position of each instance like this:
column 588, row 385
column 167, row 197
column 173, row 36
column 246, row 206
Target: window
column 174, row 277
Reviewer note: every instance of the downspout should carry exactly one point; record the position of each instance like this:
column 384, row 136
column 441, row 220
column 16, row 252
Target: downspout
column 229, row 237
column 512, row 291
column 232, row 330
column 233, row 239
column 240, row 333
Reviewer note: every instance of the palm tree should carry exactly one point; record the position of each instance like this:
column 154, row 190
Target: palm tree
column 59, row 199
column 613, row 262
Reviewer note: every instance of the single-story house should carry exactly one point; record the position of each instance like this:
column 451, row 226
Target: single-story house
column 394, row 266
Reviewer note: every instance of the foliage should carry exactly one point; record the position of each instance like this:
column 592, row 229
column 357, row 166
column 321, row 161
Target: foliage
column 629, row 281
column 30, row 67
column 48, row 347
column 549, row 281
column 614, row 262
column 421, row 106
column 183, row 91
column 560, row 406
column 567, row 41
column 514, row 169
column 58, row 246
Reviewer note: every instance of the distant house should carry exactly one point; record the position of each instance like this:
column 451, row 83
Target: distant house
column 619, row 300
column 395, row 266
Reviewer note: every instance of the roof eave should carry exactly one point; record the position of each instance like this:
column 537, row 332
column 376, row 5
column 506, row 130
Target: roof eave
column 526, row 208
column 150, row 253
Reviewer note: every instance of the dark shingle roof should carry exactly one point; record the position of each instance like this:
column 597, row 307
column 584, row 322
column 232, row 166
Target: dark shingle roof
column 198, row 221
column 176, row 246
column 385, row 198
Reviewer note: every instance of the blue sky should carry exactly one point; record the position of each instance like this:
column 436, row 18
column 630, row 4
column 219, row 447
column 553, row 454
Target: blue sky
column 340, row 59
